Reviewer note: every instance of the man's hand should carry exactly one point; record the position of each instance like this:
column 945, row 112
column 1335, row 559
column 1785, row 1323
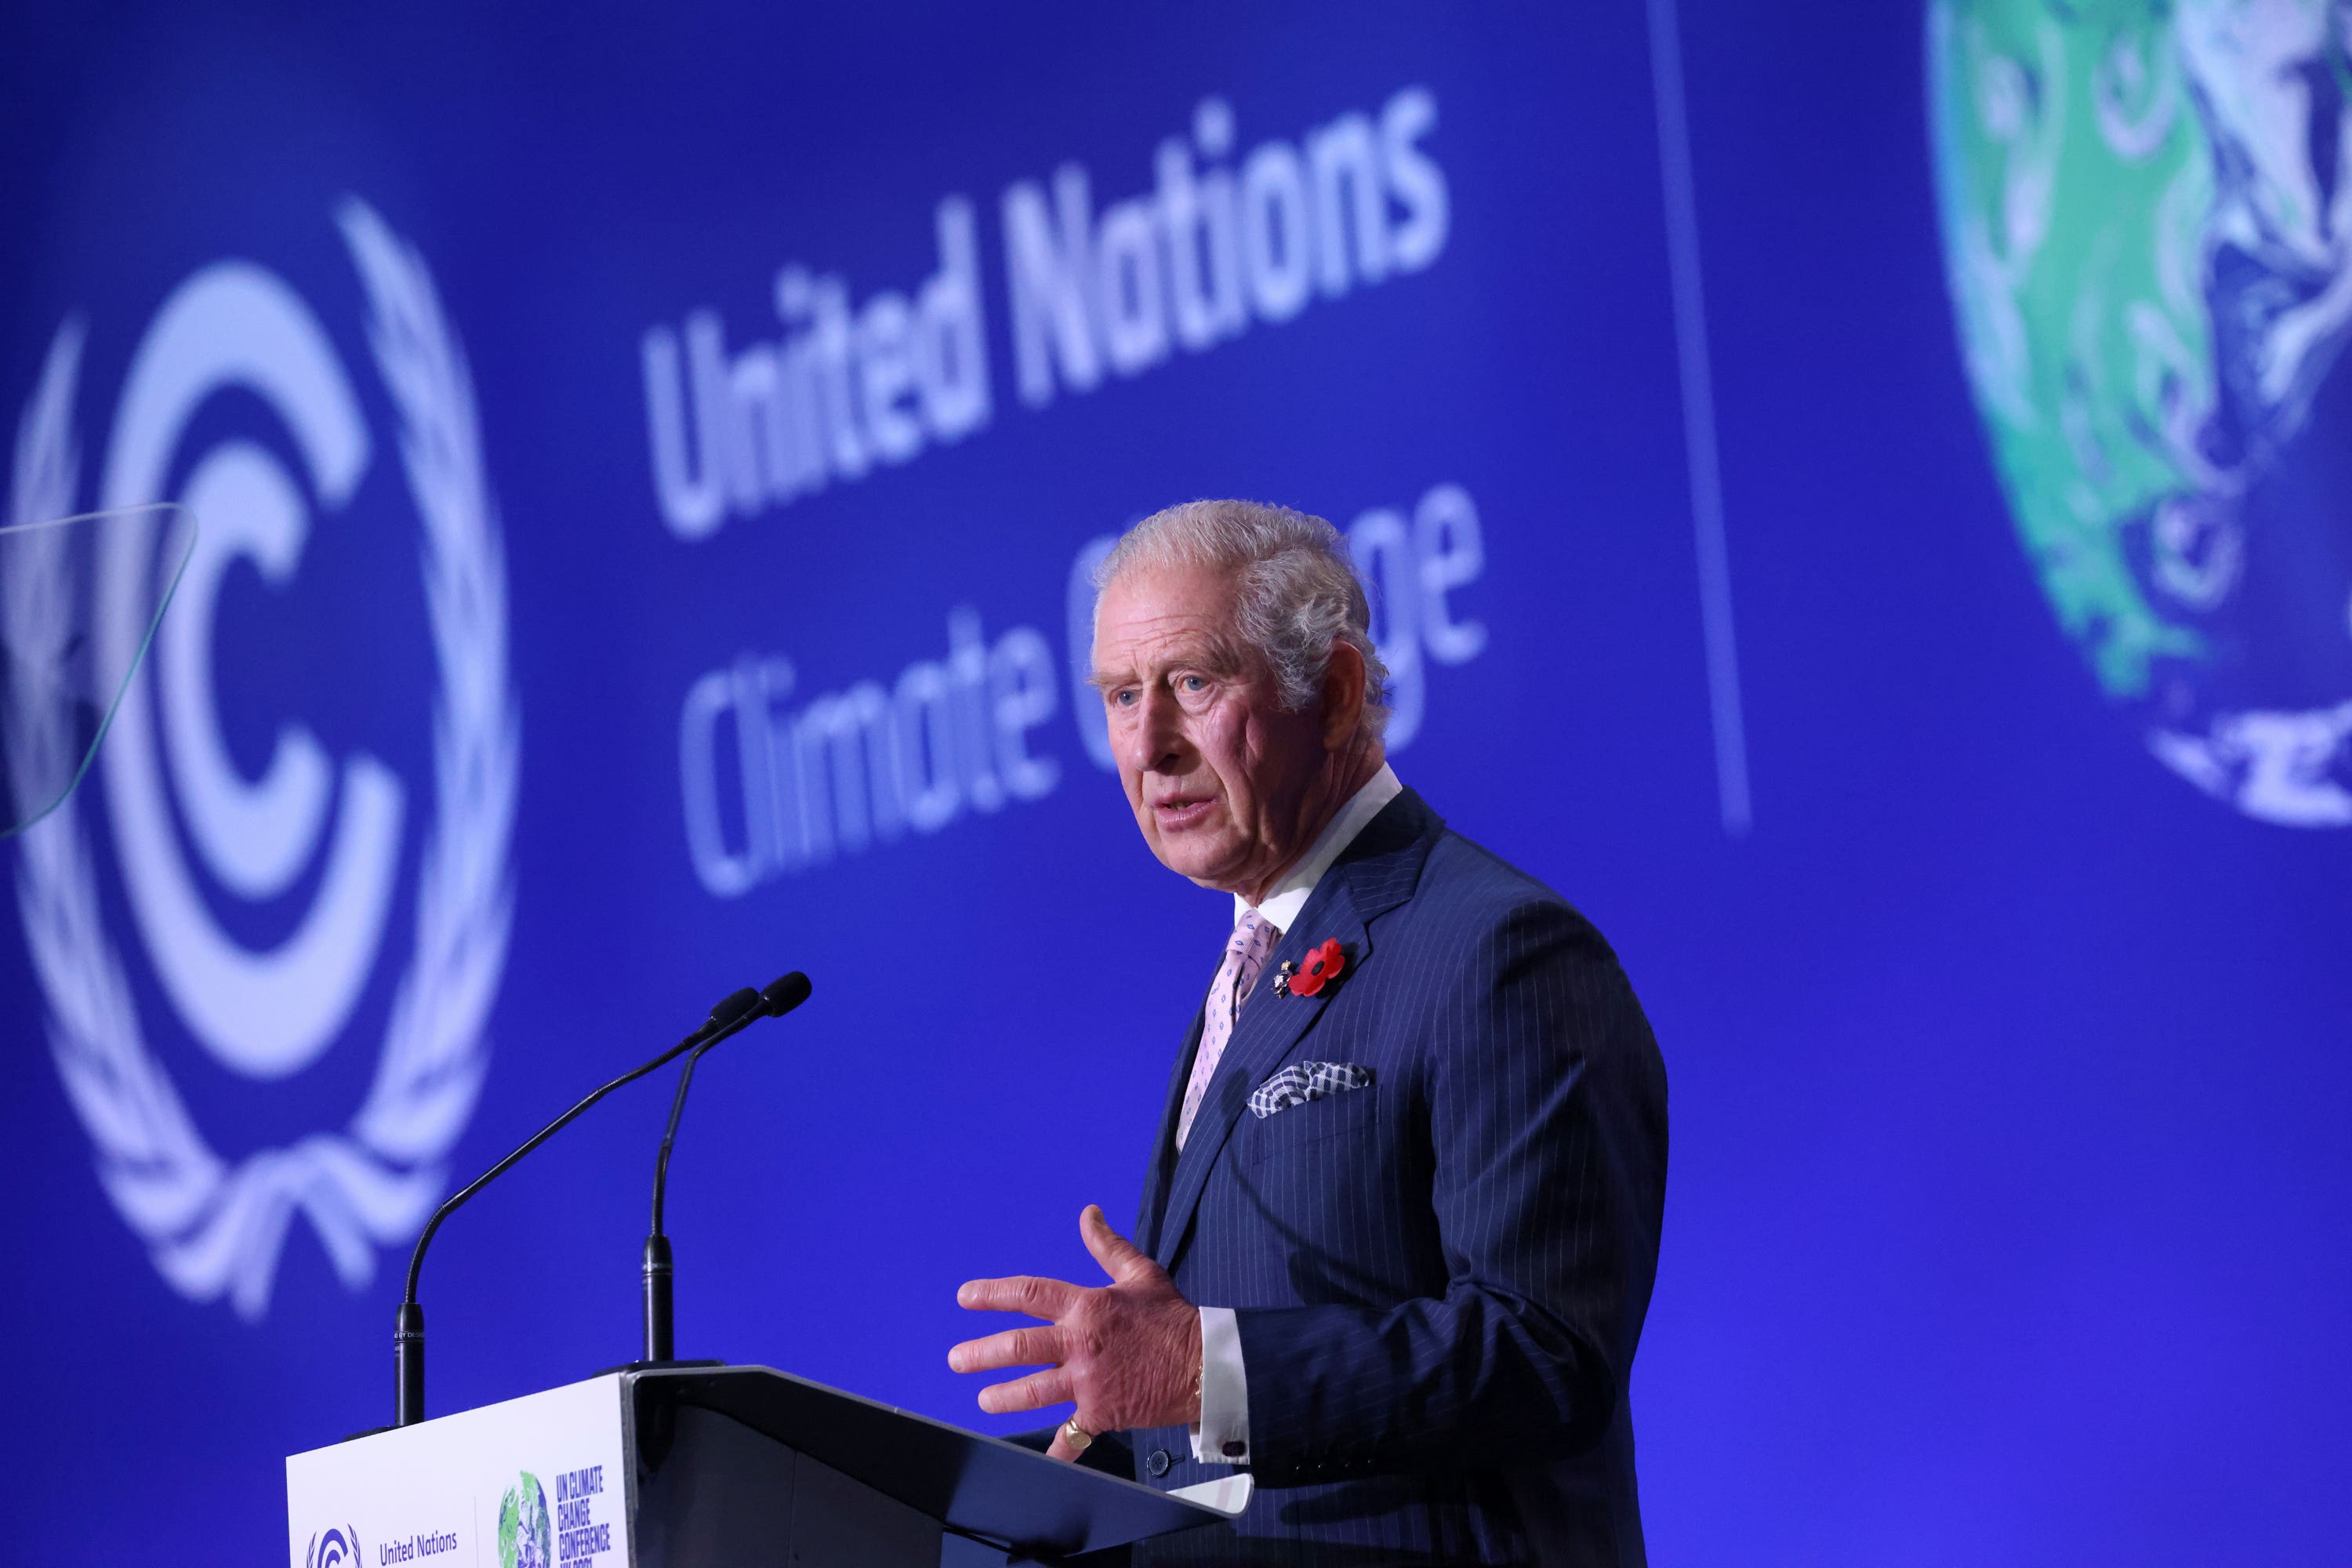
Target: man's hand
column 1128, row 1353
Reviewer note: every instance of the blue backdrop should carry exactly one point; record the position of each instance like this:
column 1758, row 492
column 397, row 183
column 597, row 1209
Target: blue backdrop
column 649, row 462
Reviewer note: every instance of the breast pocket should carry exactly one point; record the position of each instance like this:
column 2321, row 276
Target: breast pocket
column 1316, row 1200
column 1353, row 1113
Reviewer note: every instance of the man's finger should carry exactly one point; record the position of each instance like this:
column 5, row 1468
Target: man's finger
column 1051, row 1386
column 1059, row 1449
column 1021, row 1293
column 1015, row 1347
column 1120, row 1258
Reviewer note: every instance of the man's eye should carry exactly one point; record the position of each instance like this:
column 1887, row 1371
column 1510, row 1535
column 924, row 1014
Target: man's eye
column 1123, row 698
column 1194, row 683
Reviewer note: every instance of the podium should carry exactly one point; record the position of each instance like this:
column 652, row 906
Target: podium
column 684, row 1467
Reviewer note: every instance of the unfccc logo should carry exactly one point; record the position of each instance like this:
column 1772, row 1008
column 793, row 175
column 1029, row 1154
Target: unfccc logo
column 334, row 1548
column 216, row 1228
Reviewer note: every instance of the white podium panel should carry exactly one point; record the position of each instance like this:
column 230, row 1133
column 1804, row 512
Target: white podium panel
column 536, row 1482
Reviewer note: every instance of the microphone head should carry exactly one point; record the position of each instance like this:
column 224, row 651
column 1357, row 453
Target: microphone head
column 734, row 1007
column 784, row 994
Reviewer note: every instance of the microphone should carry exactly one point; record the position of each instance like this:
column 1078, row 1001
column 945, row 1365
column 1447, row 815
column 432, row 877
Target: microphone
column 732, row 1013
column 781, row 997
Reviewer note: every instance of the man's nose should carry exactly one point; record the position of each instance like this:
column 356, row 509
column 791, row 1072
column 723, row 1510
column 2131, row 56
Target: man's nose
column 1157, row 744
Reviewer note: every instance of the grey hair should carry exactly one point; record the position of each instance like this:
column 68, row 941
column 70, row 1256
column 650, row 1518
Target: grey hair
column 1297, row 589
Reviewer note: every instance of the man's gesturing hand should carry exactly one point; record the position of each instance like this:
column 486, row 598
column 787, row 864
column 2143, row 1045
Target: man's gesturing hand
column 1128, row 1353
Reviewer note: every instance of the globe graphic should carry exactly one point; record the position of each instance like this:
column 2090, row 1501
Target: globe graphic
column 2146, row 209
column 526, row 1534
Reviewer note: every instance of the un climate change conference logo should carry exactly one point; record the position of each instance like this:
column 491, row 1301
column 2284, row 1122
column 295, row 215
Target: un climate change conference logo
column 2147, row 208
column 215, row 1226
column 526, row 1533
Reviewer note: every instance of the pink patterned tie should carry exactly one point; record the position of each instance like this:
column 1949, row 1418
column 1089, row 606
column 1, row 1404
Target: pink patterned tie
column 1254, row 938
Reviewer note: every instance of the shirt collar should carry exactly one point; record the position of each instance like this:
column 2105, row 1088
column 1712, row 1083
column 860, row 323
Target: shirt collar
column 1282, row 906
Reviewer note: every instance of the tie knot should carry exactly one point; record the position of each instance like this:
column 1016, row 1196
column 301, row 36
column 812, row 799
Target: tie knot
column 1253, row 937
column 1253, row 934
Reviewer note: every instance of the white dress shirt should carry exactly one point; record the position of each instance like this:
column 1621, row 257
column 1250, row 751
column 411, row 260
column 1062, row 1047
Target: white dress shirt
column 1222, row 1436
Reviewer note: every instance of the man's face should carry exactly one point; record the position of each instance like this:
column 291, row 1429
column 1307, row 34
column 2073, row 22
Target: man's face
column 1216, row 772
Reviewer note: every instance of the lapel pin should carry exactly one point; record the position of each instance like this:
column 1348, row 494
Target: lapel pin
column 1321, row 967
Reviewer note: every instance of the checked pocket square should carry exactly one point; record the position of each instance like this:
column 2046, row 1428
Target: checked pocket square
column 1303, row 1081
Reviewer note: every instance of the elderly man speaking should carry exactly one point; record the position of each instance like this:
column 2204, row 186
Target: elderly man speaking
column 1401, row 1221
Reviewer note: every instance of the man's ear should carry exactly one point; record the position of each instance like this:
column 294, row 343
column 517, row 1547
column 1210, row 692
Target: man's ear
column 1343, row 696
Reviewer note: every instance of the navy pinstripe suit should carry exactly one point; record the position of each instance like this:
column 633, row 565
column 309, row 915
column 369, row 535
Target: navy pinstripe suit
column 1439, row 1279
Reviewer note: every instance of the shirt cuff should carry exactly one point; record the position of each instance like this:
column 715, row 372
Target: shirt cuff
column 1222, row 1436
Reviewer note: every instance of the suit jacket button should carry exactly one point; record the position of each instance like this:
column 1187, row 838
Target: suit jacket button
column 1157, row 1461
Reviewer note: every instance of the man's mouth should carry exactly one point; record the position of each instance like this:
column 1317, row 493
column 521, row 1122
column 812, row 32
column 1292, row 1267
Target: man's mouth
column 1178, row 812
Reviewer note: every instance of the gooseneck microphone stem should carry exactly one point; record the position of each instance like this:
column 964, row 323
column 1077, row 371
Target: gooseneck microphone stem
column 670, row 1133
column 408, row 1332
column 658, row 1268
column 781, row 997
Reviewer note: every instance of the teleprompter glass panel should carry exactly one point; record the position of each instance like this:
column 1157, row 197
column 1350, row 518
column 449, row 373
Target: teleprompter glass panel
column 79, row 601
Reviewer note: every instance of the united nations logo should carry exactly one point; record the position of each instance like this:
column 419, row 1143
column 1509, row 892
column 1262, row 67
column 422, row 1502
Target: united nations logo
column 321, row 834
column 334, row 1548
column 526, row 1533
column 2145, row 213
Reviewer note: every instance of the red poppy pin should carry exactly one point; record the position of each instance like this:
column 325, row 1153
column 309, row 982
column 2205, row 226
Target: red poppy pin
column 1321, row 966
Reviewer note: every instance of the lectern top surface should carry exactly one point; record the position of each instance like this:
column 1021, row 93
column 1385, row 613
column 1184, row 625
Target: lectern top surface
column 975, row 1484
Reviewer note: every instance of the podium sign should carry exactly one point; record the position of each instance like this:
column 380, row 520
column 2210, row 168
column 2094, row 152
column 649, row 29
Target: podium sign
column 672, row 1465
column 535, row 1482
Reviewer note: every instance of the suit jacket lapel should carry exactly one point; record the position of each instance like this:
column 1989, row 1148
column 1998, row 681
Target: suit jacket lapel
column 1375, row 874
column 1270, row 1027
column 1163, row 1152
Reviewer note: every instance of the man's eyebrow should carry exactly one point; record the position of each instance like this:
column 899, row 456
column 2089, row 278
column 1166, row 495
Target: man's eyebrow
column 1219, row 656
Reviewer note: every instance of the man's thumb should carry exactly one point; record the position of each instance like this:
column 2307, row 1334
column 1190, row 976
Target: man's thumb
column 1120, row 1258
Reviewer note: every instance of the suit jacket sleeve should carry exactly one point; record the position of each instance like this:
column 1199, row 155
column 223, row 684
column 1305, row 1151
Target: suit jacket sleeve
column 1546, row 1105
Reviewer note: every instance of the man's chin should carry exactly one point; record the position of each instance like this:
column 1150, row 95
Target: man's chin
column 1208, row 864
